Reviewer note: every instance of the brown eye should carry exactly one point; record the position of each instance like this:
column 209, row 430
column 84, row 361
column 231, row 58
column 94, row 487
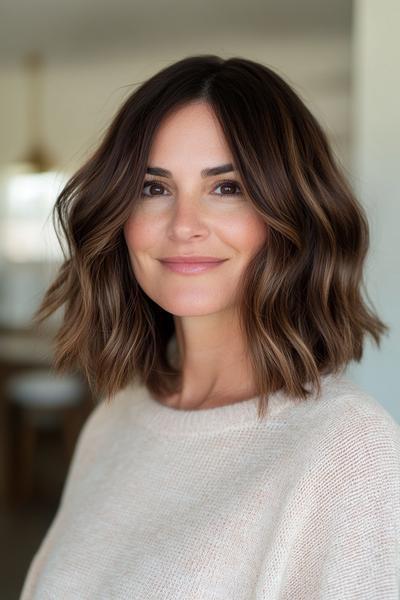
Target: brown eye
column 229, row 188
column 155, row 187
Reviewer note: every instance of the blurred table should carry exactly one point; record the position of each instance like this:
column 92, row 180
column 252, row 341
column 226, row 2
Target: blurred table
column 22, row 350
column 16, row 349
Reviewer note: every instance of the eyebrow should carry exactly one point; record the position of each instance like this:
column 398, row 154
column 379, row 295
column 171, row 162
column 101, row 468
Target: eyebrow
column 228, row 168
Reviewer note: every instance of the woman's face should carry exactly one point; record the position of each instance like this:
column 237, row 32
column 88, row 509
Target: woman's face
column 188, row 213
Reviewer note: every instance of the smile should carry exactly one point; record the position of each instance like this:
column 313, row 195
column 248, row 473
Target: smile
column 191, row 268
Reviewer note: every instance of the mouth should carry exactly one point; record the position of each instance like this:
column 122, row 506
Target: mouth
column 191, row 267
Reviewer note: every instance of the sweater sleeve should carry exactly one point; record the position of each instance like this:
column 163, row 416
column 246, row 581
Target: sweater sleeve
column 347, row 543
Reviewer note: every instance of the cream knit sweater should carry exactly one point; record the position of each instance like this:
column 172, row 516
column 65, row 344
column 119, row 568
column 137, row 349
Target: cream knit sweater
column 211, row 504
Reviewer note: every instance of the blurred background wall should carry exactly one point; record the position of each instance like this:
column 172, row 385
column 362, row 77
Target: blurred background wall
column 341, row 57
column 375, row 124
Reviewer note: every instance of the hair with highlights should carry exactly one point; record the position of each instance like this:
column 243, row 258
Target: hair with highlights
column 304, row 309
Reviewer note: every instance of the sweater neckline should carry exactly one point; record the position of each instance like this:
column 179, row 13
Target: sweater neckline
column 169, row 420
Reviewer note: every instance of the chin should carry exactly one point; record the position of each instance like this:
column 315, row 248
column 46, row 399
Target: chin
column 191, row 308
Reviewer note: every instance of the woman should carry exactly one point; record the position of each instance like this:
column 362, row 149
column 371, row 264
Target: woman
column 229, row 456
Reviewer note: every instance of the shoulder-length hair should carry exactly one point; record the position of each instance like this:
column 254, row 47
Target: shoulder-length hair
column 301, row 309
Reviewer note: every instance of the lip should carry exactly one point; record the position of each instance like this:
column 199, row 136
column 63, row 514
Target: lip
column 191, row 267
column 191, row 259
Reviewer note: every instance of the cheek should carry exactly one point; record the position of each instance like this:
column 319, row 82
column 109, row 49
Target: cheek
column 247, row 234
column 140, row 233
column 140, row 239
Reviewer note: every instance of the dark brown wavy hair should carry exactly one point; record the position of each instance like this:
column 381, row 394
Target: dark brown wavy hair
column 302, row 309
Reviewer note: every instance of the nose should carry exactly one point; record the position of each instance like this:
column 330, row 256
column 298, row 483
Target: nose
column 187, row 219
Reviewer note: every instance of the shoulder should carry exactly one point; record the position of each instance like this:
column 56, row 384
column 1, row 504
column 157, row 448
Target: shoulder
column 367, row 414
column 109, row 412
column 100, row 432
column 354, row 440
column 347, row 408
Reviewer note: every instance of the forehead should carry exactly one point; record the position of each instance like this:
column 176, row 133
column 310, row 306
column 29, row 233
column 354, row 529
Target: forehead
column 191, row 134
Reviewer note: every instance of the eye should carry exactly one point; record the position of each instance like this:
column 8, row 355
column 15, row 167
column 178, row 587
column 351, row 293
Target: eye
column 229, row 188
column 154, row 185
column 229, row 185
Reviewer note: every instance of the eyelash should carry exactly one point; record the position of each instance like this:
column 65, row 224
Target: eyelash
column 225, row 181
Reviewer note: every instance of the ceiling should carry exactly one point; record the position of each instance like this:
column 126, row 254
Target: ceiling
column 64, row 28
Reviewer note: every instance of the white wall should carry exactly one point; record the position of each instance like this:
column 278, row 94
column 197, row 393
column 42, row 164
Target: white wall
column 82, row 94
column 376, row 101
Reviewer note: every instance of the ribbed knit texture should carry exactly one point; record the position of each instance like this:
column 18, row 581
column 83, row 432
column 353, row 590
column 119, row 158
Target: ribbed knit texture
column 213, row 504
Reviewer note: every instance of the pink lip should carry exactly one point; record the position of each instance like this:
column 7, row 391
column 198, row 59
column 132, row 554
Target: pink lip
column 191, row 267
column 191, row 259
